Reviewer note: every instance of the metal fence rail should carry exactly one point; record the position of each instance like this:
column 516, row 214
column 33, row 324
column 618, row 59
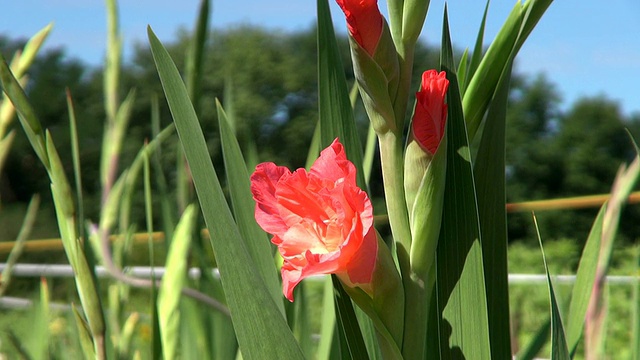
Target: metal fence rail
column 55, row 270
column 65, row 271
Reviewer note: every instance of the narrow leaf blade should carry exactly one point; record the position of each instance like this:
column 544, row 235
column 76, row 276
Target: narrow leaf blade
column 489, row 175
column 335, row 111
column 460, row 279
column 173, row 281
column 559, row 350
column 243, row 209
column 260, row 327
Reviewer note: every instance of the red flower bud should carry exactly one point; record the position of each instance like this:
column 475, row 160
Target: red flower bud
column 364, row 21
column 430, row 114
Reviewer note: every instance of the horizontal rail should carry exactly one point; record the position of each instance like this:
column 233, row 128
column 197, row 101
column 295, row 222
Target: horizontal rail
column 578, row 202
column 56, row 244
column 10, row 302
column 60, row 270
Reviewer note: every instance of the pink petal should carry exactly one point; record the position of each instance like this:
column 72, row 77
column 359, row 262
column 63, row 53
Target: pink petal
column 315, row 264
column 290, row 278
column 360, row 268
column 297, row 201
column 264, row 182
column 300, row 238
column 333, row 165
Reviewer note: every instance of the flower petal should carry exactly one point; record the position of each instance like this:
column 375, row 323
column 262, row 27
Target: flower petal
column 364, row 21
column 430, row 115
column 360, row 268
column 264, row 181
column 333, row 165
column 298, row 200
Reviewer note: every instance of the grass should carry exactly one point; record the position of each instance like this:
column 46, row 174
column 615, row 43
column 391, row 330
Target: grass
column 530, row 304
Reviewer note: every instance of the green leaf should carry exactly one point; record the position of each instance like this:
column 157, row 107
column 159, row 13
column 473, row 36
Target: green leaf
column 121, row 195
column 585, row 278
column 156, row 341
column 195, row 333
column 244, row 209
column 112, row 65
column 334, row 106
column 351, row 339
column 39, row 336
column 537, row 343
column 559, row 350
column 5, row 146
column 126, row 336
column 26, row 114
column 84, row 334
column 161, row 181
column 328, row 322
column 369, row 153
column 463, row 68
column 85, row 279
column 460, row 284
column 502, row 51
column 196, row 52
column 314, row 147
column 476, row 56
column 261, row 329
column 173, row 281
column 19, row 66
column 112, row 141
column 30, row 51
column 596, row 255
column 23, row 234
column 112, row 209
column 302, row 319
column 18, row 345
column 75, row 156
column 489, row 175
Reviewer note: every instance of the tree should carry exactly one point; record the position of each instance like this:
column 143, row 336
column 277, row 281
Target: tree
column 531, row 165
column 551, row 154
column 593, row 143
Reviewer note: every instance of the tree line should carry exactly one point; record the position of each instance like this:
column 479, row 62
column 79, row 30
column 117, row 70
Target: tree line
column 267, row 80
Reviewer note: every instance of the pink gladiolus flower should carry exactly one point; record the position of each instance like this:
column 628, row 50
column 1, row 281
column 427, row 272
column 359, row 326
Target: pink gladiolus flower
column 321, row 221
column 430, row 115
column 364, row 21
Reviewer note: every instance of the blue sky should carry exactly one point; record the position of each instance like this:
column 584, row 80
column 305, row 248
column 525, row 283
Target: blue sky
column 585, row 47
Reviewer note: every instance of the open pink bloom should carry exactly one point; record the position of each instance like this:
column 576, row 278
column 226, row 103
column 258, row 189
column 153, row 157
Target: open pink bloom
column 364, row 21
column 430, row 115
column 321, row 221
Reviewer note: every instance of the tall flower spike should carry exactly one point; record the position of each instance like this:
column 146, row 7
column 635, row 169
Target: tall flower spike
column 430, row 115
column 321, row 221
column 364, row 21
column 426, row 137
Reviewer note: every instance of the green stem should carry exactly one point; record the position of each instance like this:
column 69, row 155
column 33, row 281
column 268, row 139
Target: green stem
column 393, row 177
column 418, row 292
column 400, row 102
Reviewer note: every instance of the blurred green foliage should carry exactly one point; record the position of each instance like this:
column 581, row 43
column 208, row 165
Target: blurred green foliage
column 529, row 303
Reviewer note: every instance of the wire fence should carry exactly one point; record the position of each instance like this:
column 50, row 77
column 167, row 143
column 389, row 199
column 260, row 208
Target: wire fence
column 65, row 271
